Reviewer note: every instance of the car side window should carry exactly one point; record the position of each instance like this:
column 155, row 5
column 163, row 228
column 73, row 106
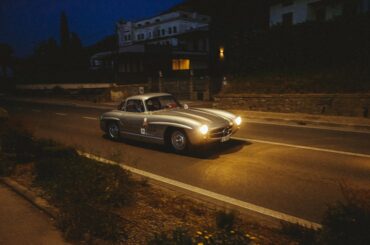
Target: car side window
column 122, row 106
column 135, row 106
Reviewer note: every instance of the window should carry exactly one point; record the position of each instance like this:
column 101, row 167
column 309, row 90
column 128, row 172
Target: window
column 141, row 66
column 135, row 106
column 287, row 3
column 163, row 32
column 180, row 64
column 122, row 68
column 162, row 102
column 174, row 29
column 157, row 20
column 288, row 19
column 169, row 30
column 147, row 23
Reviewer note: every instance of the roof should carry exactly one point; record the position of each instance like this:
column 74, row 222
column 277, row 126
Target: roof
column 147, row 96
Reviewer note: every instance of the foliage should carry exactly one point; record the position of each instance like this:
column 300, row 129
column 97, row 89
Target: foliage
column 77, row 221
column 82, row 187
column 17, row 142
column 304, row 235
column 6, row 165
column 348, row 221
column 79, row 186
column 225, row 220
column 71, row 178
column 181, row 236
column 223, row 234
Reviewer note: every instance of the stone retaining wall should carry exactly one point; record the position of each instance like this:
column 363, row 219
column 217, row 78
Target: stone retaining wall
column 357, row 105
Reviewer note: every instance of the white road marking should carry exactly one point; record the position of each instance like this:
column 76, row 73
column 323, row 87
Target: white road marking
column 210, row 194
column 286, row 124
column 34, row 110
column 60, row 114
column 90, row 118
column 304, row 147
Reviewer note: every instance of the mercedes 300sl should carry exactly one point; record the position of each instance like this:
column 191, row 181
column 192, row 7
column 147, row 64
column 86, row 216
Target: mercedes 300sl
column 159, row 118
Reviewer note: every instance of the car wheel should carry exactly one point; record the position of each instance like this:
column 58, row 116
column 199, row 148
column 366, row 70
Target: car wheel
column 179, row 141
column 113, row 130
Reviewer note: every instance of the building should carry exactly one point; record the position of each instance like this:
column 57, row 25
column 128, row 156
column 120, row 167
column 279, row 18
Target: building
column 174, row 44
column 291, row 12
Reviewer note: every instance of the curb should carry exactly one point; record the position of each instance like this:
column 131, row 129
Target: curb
column 35, row 200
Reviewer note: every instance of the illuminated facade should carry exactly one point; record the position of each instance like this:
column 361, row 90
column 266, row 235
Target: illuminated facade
column 174, row 44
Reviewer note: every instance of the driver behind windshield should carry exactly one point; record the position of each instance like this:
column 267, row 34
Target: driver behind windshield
column 159, row 103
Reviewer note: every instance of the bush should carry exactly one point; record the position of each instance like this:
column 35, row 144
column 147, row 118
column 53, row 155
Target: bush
column 83, row 187
column 77, row 221
column 225, row 220
column 75, row 179
column 179, row 236
column 6, row 166
column 17, row 142
column 348, row 222
column 223, row 234
column 304, row 235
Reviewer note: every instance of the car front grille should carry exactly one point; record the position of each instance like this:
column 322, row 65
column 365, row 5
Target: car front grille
column 221, row 132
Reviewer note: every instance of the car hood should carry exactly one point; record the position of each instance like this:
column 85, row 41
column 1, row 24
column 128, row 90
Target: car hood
column 210, row 117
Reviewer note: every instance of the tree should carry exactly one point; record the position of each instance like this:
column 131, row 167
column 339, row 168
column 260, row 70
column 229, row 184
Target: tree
column 64, row 32
column 6, row 52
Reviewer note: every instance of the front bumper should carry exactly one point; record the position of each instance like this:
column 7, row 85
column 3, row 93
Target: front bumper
column 196, row 138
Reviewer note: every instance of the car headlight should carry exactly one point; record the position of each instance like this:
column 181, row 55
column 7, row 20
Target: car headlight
column 204, row 129
column 238, row 120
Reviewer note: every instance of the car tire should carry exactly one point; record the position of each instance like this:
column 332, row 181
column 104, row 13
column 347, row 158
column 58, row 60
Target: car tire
column 178, row 141
column 113, row 130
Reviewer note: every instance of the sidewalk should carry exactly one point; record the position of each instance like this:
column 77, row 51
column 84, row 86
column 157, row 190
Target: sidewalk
column 22, row 223
column 351, row 123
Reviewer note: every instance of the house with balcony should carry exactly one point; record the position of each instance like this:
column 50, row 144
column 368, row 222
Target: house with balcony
column 291, row 12
column 173, row 44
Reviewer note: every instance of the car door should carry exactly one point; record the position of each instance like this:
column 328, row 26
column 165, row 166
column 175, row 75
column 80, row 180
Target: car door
column 133, row 118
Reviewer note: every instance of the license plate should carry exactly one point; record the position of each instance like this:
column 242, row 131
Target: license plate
column 225, row 138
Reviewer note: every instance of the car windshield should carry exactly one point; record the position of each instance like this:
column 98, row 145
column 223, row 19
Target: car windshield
column 161, row 102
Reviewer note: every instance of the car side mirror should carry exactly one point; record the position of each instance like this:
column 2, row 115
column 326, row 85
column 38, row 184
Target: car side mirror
column 186, row 106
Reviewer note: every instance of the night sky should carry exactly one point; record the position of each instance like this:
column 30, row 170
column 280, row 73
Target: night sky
column 24, row 23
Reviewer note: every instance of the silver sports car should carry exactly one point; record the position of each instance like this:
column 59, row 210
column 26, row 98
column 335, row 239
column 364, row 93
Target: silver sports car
column 159, row 118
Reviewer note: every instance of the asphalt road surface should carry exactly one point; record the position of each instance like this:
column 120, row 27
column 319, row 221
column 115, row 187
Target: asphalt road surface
column 294, row 170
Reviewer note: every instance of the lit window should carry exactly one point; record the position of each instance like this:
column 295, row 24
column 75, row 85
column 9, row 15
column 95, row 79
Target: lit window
column 180, row 64
column 222, row 53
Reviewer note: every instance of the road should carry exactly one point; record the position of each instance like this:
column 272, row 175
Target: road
column 289, row 169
